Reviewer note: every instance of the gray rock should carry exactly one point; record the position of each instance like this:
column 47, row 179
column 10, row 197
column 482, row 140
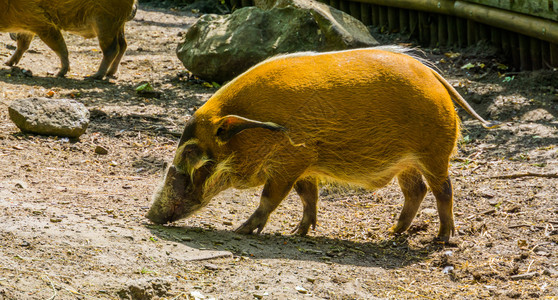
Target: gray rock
column 145, row 289
column 219, row 48
column 59, row 117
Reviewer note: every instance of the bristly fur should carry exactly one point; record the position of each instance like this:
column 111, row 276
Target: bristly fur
column 358, row 117
column 220, row 179
column 104, row 19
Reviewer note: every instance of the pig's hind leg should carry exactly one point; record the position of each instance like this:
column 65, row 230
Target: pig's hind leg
column 273, row 193
column 443, row 191
column 307, row 189
column 439, row 182
column 109, row 43
column 414, row 190
column 53, row 38
column 122, row 45
column 23, row 42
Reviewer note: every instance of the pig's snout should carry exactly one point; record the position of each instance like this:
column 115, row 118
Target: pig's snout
column 168, row 199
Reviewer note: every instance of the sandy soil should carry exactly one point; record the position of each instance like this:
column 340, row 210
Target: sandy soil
column 73, row 226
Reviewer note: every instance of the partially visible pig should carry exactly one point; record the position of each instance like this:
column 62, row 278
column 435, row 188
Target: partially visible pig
column 358, row 116
column 89, row 18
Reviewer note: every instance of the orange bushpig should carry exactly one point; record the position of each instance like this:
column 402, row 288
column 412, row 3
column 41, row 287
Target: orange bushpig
column 89, row 18
column 358, row 117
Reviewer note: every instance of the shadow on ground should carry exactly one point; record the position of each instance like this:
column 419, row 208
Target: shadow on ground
column 389, row 254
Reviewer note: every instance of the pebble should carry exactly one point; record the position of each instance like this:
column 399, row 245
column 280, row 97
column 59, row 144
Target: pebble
column 20, row 184
column 301, row 290
column 447, row 269
column 260, row 295
column 429, row 212
column 212, row 267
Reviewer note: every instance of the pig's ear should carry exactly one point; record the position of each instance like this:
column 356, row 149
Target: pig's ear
column 231, row 125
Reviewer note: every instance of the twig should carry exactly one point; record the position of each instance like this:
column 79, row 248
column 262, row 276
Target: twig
column 546, row 231
column 520, row 175
column 518, row 225
column 148, row 117
column 179, row 295
column 53, row 288
column 536, row 246
column 529, row 267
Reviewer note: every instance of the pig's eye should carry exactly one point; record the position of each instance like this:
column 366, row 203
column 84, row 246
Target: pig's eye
column 190, row 152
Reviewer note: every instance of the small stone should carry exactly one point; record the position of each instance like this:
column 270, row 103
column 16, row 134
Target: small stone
column 212, row 267
column 447, row 269
column 55, row 220
column 227, row 223
column 301, row 290
column 494, row 202
column 186, row 239
column 197, row 295
column 514, row 294
column 20, row 184
column 260, row 295
column 429, row 212
column 514, row 209
column 101, row 150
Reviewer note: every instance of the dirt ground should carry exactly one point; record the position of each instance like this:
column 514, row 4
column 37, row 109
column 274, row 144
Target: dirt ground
column 73, row 226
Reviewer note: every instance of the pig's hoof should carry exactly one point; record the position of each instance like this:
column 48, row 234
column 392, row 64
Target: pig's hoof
column 443, row 238
column 244, row 229
column 303, row 227
column 94, row 77
column 301, row 230
column 396, row 230
column 445, row 233
column 249, row 226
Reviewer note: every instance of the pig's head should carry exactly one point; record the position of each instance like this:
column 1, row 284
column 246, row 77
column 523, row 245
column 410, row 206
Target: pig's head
column 201, row 167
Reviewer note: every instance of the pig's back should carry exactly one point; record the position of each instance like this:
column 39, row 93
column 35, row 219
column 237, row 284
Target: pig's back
column 357, row 109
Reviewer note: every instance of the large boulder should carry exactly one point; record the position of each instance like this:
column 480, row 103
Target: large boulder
column 218, row 48
column 59, row 117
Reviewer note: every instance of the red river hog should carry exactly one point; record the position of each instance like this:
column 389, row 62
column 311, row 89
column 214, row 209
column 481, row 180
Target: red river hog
column 89, row 18
column 358, row 117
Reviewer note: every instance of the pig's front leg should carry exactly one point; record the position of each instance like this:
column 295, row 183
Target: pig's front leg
column 273, row 193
